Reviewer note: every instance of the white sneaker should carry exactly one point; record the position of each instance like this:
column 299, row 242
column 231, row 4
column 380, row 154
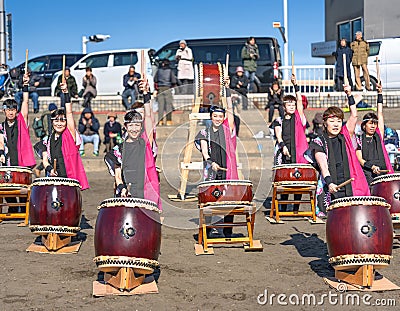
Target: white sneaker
column 260, row 134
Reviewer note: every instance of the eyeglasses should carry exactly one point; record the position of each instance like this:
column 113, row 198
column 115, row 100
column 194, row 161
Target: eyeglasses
column 59, row 119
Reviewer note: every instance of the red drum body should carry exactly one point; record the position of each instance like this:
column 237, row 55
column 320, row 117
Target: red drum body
column 55, row 206
column 295, row 174
column 225, row 191
column 359, row 231
column 388, row 187
column 127, row 234
column 15, row 177
column 209, row 83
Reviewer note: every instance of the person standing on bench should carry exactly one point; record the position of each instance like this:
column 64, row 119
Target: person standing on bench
column 291, row 141
column 217, row 144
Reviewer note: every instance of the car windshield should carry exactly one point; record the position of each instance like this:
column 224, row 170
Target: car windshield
column 37, row 65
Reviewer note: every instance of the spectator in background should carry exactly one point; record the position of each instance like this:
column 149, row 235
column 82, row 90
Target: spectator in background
column 343, row 49
column 275, row 101
column 89, row 82
column 239, row 83
column 184, row 56
column 130, row 82
column 89, row 130
column 360, row 49
column 34, row 83
column 164, row 80
column 250, row 55
column 71, row 85
column 153, row 61
column 112, row 131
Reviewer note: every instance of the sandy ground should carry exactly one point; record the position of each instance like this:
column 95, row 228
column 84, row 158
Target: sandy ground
column 294, row 261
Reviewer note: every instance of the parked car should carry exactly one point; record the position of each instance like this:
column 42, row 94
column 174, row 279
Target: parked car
column 388, row 53
column 109, row 67
column 46, row 66
column 211, row 51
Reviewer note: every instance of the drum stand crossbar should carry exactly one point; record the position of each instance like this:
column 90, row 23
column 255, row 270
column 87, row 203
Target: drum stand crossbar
column 54, row 242
column 15, row 193
column 204, row 246
column 364, row 276
column 292, row 189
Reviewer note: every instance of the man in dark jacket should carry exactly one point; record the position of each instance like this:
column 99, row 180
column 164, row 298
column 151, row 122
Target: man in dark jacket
column 34, row 82
column 250, row 55
column 89, row 130
column 112, row 131
column 71, row 86
column 164, row 80
column 130, row 83
column 343, row 49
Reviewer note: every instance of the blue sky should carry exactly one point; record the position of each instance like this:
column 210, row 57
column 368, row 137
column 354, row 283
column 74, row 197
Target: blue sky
column 53, row 26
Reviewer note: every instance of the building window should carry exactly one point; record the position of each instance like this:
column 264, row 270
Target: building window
column 348, row 29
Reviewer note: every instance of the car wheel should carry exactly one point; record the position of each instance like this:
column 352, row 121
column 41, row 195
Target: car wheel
column 372, row 83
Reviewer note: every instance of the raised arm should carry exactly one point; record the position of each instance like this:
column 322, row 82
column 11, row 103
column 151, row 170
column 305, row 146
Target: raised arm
column 229, row 107
column 299, row 100
column 381, row 122
column 68, row 111
column 25, row 99
column 352, row 121
column 148, row 118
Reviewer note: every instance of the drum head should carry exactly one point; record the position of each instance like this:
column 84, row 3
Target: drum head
column 354, row 201
column 293, row 165
column 46, row 181
column 225, row 182
column 21, row 169
column 386, row 178
column 130, row 202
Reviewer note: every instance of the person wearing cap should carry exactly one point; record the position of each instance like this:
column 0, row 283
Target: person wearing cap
column 130, row 83
column 334, row 155
column 217, row 144
column 34, row 82
column 291, row 141
column 239, row 83
column 112, row 131
column 71, row 84
column 371, row 151
column 360, row 49
column 132, row 163
column 184, row 56
column 61, row 147
column 88, row 128
column 15, row 143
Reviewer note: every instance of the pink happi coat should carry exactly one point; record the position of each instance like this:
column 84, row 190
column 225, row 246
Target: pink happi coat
column 24, row 146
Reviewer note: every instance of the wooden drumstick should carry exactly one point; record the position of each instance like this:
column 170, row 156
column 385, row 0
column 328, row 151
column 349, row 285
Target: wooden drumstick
column 345, row 79
column 227, row 66
column 223, row 169
column 383, row 171
column 293, row 73
column 378, row 72
column 55, row 165
column 26, row 61
column 63, row 69
column 128, row 189
column 345, row 183
column 142, row 65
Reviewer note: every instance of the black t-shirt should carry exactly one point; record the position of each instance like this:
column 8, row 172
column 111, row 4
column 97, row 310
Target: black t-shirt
column 337, row 153
column 133, row 166
column 286, row 135
column 12, row 142
column 370, row 150
column 56, row 153
column 218, row 154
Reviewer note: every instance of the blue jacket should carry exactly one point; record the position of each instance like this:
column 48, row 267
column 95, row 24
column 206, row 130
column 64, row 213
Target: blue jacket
column 339, row 60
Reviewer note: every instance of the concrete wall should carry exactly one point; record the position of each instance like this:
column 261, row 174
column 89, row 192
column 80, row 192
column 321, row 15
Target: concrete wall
column 381, row 19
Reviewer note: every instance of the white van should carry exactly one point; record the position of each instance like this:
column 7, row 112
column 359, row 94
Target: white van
column 388, row 53
column 109, row 68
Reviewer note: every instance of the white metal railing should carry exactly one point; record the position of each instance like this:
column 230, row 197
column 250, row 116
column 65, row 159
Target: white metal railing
column 310, row 78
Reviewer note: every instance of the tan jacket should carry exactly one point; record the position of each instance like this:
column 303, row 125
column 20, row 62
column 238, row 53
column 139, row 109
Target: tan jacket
column 360, row 52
